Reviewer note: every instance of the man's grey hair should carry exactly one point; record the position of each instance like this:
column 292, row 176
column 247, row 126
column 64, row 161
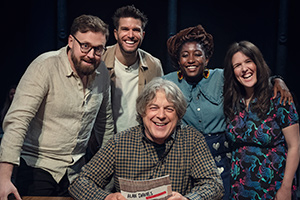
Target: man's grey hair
column 172, row 92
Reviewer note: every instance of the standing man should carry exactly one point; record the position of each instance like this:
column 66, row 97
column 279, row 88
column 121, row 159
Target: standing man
column 130, row 67
column 57, row 102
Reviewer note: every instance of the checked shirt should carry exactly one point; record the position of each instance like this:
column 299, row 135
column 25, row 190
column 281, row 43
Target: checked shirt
column 129, row 154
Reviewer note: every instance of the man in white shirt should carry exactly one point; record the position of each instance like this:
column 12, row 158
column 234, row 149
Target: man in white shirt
column 130, row 67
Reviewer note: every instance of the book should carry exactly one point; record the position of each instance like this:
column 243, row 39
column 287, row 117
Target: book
column 154, row 189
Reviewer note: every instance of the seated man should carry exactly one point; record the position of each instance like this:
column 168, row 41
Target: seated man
column 157, row 147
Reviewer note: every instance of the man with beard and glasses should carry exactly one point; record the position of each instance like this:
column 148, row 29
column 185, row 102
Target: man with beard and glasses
column 130, row 67
column 62, row 97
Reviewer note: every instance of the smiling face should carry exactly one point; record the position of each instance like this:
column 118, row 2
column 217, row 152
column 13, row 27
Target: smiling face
column 160, row 118
column 245, row 71
column 129, row 34
column 192, row 61
column 85, row 63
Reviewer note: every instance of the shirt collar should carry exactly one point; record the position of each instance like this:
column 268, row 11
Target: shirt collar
column 171, row 137
column 142, row 60
column 69, row 69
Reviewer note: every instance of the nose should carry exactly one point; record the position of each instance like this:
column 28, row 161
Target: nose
column 161, row 114
column 91, row 53
column 191, row 59
column 244, row 67
column 130, row 33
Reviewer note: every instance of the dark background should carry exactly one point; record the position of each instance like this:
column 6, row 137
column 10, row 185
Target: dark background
column 31, row 27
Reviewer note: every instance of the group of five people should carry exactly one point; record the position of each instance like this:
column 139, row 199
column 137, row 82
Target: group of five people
column 217, row 133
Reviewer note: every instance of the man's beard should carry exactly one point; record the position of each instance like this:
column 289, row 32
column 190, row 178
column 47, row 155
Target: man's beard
column 126, row 51
column 83, row 70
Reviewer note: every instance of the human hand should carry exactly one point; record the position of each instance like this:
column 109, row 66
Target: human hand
column 114, row 196
column 283, row 194
column 177, row 196
column 280, row 86
column 6, row 188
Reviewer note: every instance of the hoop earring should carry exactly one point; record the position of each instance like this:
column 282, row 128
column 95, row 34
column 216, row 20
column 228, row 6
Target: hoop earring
column 206, row 73
column 180, row 75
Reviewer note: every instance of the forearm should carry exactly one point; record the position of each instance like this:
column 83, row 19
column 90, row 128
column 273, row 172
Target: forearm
column 292, row 162
column 6, row 170
column 207, row 189
column 6, row 186
column 27, row 100
column 84, row 188
column 95, row 175
column 291, row 134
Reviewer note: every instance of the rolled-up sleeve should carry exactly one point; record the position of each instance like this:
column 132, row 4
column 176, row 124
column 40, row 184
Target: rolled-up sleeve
column 29, row 95
column 95, row 175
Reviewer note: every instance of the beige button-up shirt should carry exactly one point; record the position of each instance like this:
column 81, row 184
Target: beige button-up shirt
column 51, row 118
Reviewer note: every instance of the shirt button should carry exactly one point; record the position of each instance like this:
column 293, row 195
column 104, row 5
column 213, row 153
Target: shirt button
column 198, row 109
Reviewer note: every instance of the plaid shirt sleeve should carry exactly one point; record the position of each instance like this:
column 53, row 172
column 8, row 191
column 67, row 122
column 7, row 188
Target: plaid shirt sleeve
column 95, row 175
column 187, row 160
column 207, row 181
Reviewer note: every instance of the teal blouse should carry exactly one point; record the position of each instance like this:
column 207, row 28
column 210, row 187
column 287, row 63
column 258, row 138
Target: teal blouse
column 205, row 102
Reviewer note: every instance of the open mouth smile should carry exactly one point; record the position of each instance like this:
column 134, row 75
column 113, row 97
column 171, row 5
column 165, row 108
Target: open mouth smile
column 129, row 42
column 160, row 124
column 191, row 67
column 247, row 76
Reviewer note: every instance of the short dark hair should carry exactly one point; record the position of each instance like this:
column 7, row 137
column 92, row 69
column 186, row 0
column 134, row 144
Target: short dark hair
column 129, row 11
column 85, row 23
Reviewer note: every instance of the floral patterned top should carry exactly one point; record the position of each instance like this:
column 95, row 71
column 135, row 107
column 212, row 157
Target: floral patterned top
column 259, row 150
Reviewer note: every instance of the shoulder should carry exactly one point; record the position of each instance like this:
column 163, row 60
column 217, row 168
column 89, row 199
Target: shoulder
column 172, row 76
column 286, row 113
column 212, row 87
column 131, row 134
column 50, row 56
column 49, row 63
column 190, row 134
column 109, row 56
column 216, row 75
column 110, row 49
column 149, row 59
column 276, row 103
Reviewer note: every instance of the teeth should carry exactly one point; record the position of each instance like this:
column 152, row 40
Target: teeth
column 129, row 42
column 245, row 77
column 88, row 61
column 191, row 67
column 159, row 124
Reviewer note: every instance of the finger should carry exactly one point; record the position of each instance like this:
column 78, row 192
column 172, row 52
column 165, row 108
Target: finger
column 274, row 93
column 285, row 100
column 280, row 100
column 18, row 197
column 291, row 100
column 172, row 195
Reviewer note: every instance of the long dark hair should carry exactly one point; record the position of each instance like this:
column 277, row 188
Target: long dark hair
column 233, row 91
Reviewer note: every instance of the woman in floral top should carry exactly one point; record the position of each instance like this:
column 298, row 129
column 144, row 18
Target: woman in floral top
column 263, row 132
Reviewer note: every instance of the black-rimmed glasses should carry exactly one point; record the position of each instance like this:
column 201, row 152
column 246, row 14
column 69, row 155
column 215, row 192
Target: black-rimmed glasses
column 86, row 47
